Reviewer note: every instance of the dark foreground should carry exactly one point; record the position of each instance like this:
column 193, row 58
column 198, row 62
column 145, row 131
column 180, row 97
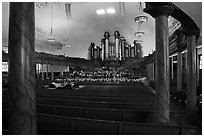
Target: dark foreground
column 107, row 109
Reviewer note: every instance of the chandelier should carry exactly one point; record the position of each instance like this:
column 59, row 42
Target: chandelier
column 49, row 41
column 68, row 10
column 139, row 33
column 141, row 17
column 51, row 38
column 122, row 8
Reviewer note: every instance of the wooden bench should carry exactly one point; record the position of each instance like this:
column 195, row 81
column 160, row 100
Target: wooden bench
column 119, row 90
column 148, row 96
column 95, row 104
column 139, row 116
column 100, row 99
column 98, row 113
column 69, row 125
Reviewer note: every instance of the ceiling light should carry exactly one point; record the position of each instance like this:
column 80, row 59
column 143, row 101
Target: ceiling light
column 138, row 41
column 139, row 34
column 100, row 12
column 110, row 11
column 141, row 17
column 67, row 45
column 51, row 39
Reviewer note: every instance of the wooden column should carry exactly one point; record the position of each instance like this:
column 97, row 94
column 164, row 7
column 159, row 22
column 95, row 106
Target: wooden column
column 21, row 78
column 191, row 77
column 67, row 68
column 179, row 71
column 160, row 13
column 47, row 71
column 185, row 66
column 153, row 71
column 38, row 73
column 172, row 67
column 197, row 67
column 61, row 70
column 52, row 73
column 42, row 73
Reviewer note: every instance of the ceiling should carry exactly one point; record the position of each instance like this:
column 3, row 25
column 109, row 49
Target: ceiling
column 87, row 27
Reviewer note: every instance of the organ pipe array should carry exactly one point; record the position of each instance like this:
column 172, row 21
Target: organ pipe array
column 118, row 50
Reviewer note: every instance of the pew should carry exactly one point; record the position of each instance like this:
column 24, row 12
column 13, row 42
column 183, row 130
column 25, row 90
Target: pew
column 99, row 99
column 139, row 116
column 94, row 104
column 52, row 124
column 148, row 96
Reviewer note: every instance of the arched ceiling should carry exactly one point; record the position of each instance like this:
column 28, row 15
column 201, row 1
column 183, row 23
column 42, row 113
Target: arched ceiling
column 193, row 9
column 86, row 26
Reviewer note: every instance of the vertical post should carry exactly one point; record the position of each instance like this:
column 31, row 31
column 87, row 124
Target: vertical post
column 179, row 71
column 47, row 71
column 162, row 70
column 67, row 68
column 160, row 13
column 21, row 78
column 191, row 76
column 42, row 71
column 185, row 66
column 61, row 70
column 153, row 71
column 52, row 67
column 172, row 67
column 37, row 70
column 197, row 67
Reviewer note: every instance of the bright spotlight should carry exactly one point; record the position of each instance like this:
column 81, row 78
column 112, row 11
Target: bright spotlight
column 110, row 11
column 100, row 12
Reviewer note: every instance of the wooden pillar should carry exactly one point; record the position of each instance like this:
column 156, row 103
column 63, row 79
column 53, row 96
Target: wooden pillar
column 153, row 73
column 185, row 66
column 160, row 13
column 67, row 68
column 37, row 70
column 21, row 78
column 47, row 71
column 197, row 67
column 191, row 77
column 179, row 71
column 42, row 73
column 172, row 67
column 52, row 73
column 61, row 70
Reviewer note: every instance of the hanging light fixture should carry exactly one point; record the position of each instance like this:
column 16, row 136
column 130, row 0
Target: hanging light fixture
column 141, row 17
column 139, row 33
column 41, row 4
column 51, row 38
column 67, row 44
column 68, row 10
column 122, row 8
